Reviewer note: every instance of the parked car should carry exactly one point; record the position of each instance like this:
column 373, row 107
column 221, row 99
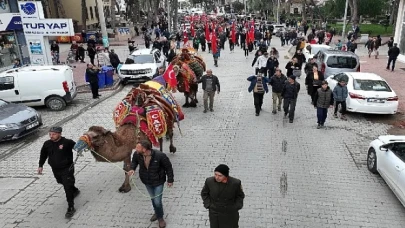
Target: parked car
column 368, row 93
column 17, row 120
column 53, row 86
column 278, row 29
column 141, row 65
column 386, row 156
column 332, row 62
column 312, row 49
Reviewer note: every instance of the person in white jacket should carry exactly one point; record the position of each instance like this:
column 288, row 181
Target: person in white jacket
column 262, row 63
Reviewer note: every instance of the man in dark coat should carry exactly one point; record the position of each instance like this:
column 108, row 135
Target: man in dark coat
column 92, row 75
column 392, row 56
column 223, row 197
column 154, row 166
column 58, row 151
column 114, row 59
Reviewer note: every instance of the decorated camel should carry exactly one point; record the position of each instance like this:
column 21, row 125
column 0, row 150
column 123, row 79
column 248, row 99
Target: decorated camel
column 191, row 69
column 148, row 112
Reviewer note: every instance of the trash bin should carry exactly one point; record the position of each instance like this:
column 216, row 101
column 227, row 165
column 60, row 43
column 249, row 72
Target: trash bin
column 109, row 75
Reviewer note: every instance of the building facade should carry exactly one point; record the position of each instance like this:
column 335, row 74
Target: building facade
column 400, row 30
column 12, row 39
column 73, row 9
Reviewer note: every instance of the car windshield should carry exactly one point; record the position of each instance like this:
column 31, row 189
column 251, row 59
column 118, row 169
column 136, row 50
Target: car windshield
column 2, row 103
column 371, row 85
column 139, row 59
column 348, row 62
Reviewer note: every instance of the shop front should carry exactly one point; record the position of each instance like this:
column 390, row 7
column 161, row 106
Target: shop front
column 10, row 33
column 400, row 30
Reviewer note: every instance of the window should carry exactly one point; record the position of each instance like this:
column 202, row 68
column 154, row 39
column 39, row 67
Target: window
column 371, row 85
column 8, row 49
column 296, row 11
column 340, row 77
column 91, row 13
column 87, row 14
column 6, row 83
column 139, row 59
column 348, row 62
column 399, row 150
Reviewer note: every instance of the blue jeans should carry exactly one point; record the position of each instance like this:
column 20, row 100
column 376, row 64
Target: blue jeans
column 322, row 113
column 156, row 201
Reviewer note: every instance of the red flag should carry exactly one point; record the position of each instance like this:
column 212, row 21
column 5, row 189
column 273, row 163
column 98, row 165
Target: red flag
column 185, row 37
column 214, row 43
column 233, row 33
column 192, row 29
column 170, row 77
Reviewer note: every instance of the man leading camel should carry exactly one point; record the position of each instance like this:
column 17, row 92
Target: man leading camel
column 154, row 166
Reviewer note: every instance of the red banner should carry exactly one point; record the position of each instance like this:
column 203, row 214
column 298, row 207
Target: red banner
column 192, row 29
column 214, row 43
column 233, row 33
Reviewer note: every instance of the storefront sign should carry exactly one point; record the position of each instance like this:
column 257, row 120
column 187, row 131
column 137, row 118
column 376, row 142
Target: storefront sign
column 49, row 27
column 37, row 29
column 10, row 21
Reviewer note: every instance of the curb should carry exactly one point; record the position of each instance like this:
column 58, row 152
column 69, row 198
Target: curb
column 44, row 131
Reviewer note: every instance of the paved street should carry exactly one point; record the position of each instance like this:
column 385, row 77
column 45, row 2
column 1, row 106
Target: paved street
column 293, row 175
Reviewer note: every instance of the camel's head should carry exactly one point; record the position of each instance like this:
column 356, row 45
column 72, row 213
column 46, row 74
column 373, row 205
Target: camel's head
column 94, row 137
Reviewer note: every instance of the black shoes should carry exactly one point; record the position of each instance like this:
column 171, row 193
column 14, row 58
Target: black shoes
column 70, row 212
column 153, row 218
column 205, row 111
column 257, row 114
column 291, row 121
column 274, row 112
column 211, row 110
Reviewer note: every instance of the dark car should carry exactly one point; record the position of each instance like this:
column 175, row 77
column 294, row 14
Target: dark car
column 17, row 120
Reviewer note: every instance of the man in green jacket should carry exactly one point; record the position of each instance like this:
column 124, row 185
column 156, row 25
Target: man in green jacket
column 223, row 197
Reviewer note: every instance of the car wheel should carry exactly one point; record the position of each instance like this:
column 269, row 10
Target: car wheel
column 55, row 103
column 372, row 160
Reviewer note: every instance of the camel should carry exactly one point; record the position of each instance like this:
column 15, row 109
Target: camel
column 190, row 69
column 107, row 146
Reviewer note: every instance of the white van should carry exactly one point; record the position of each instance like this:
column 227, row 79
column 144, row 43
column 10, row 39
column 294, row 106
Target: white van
column 52, row 86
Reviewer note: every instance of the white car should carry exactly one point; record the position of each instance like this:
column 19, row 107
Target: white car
column 315, row 48
column 386, row 156
column 368, row 93
column 141, row 65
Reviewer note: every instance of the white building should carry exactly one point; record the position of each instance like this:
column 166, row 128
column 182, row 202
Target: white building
column 400, row 30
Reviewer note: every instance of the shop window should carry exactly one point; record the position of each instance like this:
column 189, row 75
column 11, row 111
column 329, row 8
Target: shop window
column 6, row 83
column 91, row 13
column 8, row 49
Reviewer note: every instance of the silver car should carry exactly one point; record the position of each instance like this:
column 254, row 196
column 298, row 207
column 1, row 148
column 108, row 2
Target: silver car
column 17, row 120
column 332, row 62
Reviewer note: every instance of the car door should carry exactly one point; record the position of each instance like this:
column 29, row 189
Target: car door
column 390, row 165
column 399, row 166
column 9, row 90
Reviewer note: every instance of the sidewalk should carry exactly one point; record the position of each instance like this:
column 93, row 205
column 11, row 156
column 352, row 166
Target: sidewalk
column 79, row 69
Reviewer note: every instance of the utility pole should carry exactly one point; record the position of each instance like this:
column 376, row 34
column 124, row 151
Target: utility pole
column 101, row 16
column 344, row 22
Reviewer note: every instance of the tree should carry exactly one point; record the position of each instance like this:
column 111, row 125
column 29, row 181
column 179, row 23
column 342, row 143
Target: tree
column 238, row 6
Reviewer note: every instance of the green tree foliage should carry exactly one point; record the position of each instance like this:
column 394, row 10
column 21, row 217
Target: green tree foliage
column 238, row 7
column 367, row 8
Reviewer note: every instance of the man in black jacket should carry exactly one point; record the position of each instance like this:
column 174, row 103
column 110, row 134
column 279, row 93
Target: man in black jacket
column 154, row 166
column 223, row 196
column 210, row 84
column 114, row 60
column 58, row 151
column 277, row 83
column 92, row 75
column 392, row 56
column 290, row 95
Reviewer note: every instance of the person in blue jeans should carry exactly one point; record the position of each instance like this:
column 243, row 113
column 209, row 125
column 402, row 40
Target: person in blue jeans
column 154, row 166
column 322, row 101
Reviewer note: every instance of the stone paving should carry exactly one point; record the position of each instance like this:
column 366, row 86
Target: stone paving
column 293, row 175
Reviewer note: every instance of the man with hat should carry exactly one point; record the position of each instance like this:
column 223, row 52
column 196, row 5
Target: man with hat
column 223, row 196
column 59, row 152
column 290, row 95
